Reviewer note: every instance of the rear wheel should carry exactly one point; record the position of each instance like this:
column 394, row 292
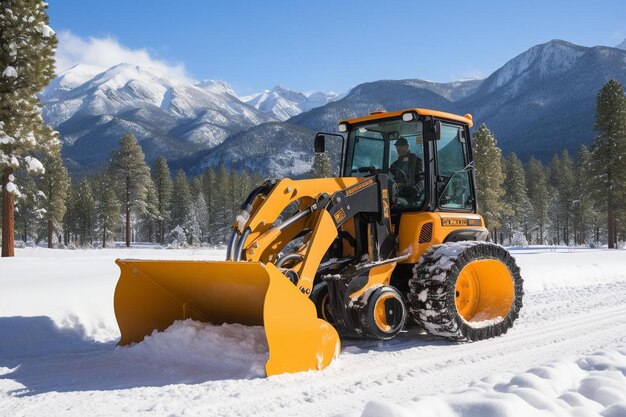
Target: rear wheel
column 466, row 290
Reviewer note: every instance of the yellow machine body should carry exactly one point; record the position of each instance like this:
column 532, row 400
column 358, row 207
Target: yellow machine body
column 260, row 286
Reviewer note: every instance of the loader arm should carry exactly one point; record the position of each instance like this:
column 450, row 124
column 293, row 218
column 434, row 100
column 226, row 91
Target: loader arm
column 261, row 238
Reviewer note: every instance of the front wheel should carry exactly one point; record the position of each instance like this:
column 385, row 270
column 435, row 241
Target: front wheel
column 466, row 291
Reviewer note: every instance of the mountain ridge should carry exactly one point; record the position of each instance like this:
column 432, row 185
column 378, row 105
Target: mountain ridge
column 537, row 103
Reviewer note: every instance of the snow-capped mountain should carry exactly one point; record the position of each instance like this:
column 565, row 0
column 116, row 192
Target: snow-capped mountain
column 622, row 45
column 92, row 108
column 385, row 94
column 543, row 100
column 284, row 103
column 538, row 103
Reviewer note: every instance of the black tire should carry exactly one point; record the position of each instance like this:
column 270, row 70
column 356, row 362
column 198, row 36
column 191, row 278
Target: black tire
column 390, row 302
column 434, row 293
column 321, row 299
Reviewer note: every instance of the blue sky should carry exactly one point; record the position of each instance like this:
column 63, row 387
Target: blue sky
column 331, row 45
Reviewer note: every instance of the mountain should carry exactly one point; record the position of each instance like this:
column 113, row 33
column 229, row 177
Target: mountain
column 543, row 100
column 538, row 103
column 389, row 95
column 275, row 149
column 92, row 108
column 284, row 103
column 622, row 45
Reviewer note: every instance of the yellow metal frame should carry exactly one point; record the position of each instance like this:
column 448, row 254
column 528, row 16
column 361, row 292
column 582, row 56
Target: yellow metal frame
column 467, row 119
column 411, row 225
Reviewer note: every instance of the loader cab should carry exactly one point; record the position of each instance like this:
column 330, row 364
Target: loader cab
column 426, row 153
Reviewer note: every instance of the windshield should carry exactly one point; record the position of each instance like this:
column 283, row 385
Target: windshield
column 392, row 147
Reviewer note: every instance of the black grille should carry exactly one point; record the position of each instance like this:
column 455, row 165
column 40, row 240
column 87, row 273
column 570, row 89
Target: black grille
column 426, row 234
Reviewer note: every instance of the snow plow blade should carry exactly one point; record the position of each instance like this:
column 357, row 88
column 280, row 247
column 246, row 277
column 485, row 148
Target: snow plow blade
column 151, row 295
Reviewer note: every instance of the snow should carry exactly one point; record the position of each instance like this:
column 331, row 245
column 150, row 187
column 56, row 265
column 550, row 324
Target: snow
column 46, row 31
column 12, row 188
column 285, row 103
column 9, row 72
column 144, row 97
column 34, row 165
column 565, row 356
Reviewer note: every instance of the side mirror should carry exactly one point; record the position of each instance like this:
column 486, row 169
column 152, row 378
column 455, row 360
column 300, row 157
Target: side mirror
column 432, row 130
column 320, row 143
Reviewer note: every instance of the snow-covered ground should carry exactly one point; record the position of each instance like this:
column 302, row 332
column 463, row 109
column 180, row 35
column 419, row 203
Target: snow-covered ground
column 566, row 355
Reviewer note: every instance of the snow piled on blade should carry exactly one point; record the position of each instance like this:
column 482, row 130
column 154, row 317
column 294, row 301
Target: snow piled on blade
column 591, row 386
column 228, row 350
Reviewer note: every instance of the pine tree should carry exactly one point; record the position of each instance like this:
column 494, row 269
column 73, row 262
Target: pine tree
column 55, row 184
column 131, row 176
column 28, row 209
column 84, row 212
column 608, row 154
column 196, row 221
column 516, row 197
column 27, row 46
column 567, row 200
column 321, row 167
column 195, row 186
column 163, row 184
column 222, row 209
column 489, row 179
column 181, row 201
column 585, row 220
column 107, row 210
column 148, row 218
column 539, row 195
column 209, row 192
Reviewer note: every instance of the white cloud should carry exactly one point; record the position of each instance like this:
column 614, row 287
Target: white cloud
column 107, row 52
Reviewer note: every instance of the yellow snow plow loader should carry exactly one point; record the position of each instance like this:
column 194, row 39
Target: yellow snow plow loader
column 392, row 243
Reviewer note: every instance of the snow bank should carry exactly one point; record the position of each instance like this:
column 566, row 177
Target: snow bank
column 74, row 287
column 594, row 385
column 545, row 268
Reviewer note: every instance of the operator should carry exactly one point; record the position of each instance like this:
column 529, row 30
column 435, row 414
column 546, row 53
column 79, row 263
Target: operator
column 407, row 171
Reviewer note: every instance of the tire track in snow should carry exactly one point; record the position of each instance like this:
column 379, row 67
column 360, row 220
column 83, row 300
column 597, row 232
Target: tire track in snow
column 555, row 323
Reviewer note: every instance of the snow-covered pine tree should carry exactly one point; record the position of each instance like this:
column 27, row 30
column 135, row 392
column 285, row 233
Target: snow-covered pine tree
column 181, row 200
column 28, row 209
column 321, row 167
column 148, row 218
column 163, row 185
column 131, row 177
column 608, row 154
column 539, row 195
column 27, row 46
column 54, row 184
column 516, row 196
column 107, row 210
column 489, row 178
column 195, row 218
column 195, row 186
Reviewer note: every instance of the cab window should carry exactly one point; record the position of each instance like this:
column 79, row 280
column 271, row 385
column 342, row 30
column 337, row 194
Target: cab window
column 453, row 181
